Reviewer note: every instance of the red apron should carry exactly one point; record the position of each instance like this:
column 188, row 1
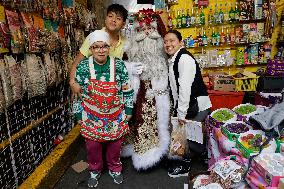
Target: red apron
column 103, row 117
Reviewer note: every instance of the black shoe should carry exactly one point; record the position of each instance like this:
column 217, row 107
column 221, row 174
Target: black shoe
column 179, row 171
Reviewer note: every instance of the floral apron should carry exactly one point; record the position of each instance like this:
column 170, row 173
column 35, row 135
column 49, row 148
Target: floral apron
column 103, row 117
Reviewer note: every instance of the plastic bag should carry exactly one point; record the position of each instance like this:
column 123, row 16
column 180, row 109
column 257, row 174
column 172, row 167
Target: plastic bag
column 178, row 140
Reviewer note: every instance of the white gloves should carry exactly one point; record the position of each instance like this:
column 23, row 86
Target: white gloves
column 136, row 68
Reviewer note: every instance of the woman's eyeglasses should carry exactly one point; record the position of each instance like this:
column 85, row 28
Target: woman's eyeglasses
column 98, row 48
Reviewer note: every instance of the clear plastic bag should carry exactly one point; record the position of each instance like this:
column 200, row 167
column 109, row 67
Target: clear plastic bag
column 178, row 140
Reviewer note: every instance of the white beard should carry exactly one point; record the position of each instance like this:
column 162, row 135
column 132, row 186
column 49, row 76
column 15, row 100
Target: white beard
column 148, row 49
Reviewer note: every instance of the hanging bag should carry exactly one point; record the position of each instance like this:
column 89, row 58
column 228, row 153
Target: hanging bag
column 178, row 139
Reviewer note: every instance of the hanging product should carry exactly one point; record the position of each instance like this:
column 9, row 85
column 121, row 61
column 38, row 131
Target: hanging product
column 2, row 97
column 50, row 69
column 6, row 84
column 36, row 75
column 17, row 42
column 16, row 79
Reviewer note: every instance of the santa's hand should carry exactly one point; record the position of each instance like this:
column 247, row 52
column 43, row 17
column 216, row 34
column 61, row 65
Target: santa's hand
column 137, row 68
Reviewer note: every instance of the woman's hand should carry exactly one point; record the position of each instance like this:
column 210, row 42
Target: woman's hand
column 76, row 90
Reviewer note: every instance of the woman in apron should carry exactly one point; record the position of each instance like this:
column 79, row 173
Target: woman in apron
column 105, row 107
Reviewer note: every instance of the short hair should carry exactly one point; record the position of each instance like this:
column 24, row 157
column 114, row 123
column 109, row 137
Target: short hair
column 118, row 9
column 177, row 33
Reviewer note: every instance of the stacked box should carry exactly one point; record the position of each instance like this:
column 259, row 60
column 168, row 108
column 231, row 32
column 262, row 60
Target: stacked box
column 270, row 166
column 275, row 68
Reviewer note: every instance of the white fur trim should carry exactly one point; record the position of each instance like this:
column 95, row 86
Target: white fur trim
column 127, row 150
column 153, row 156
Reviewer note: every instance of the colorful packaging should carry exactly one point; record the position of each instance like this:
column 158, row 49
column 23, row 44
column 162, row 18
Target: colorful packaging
column 246, row 30
column 261, row 58
column 265, row 9
column 240, row 55
column 246, row 55
column 17, row 42
column 270, row 166
column 252, row 33
column 260, row 32
column 4, row 32
column 239, row 34
column 267, row 51
column 253, row 55
column 258, row 12
column 243, row 10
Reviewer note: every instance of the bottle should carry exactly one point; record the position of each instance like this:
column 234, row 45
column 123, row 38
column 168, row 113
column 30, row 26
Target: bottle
column 222, row 37
column 228, row 38
column 217, row 36
column 216, row 15
column 197, row 17
column 202, row 17
column 232, row 36
column 199, row 37
column 204, row 38
column 232, row 14
column 226, row 14
column 237, row 13
column 174, row 20
column 213, row 37
column 221, row 15
column 188, row 19
column 192, row 17
column 178, row 20
column 183, row 19
column 170, row 21
column 210, row 16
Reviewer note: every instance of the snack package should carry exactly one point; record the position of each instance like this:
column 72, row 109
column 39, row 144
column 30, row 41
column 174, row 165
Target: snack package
column 32, row 34
column 240, row 55
column 4, row 32
column 178, row 139
column 17, row 42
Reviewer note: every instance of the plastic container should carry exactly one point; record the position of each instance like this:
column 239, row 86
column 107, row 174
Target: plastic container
column 246, row 83
column 228, row 134
column 248, row 152
column 215, row 123
column 221, row 99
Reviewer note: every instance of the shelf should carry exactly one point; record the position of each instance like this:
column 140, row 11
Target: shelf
column 225, row 24
column 236, row 66
column 227, row 46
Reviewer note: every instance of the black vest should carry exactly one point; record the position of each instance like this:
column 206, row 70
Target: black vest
column 198, row 87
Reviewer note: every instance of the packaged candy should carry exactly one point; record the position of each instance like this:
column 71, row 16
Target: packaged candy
column 17, row 42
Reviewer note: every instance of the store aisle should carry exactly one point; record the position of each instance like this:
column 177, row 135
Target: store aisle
column 155, row 178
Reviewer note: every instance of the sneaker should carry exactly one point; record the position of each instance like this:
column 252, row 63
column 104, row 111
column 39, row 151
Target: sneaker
column 117, row 177
column 94, row 179
column 179, row 171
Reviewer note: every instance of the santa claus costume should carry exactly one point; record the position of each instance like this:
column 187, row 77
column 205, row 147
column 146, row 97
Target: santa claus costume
column 150, row 137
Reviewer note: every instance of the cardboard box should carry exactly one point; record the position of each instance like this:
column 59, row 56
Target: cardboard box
column 224, row 83
column 270, row 166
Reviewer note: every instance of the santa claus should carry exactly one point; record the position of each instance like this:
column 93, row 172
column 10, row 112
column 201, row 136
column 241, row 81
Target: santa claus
column 147, row 66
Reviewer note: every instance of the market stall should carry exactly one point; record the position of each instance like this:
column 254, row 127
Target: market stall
column 239, row 46
column 38, row 41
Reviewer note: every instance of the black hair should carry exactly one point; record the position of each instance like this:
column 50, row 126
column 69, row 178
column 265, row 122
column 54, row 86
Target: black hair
column 177, row 33
column 118, row 9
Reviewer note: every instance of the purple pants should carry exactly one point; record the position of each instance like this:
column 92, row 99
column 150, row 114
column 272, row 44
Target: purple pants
column 95, row 158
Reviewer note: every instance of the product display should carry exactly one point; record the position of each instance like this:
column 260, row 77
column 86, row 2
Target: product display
column 37, row 47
